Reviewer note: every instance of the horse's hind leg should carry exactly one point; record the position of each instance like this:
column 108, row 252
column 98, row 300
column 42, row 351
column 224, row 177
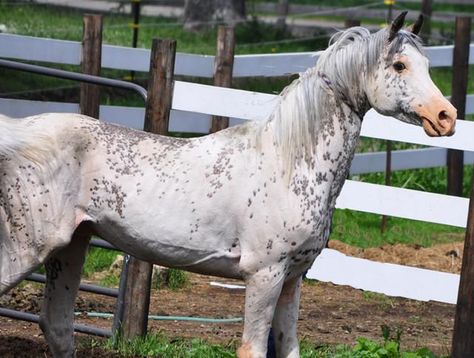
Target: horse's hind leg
column 285, row 320
column 63, row 275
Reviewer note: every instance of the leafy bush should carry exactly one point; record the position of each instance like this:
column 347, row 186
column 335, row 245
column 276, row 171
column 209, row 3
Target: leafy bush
column 390, row 348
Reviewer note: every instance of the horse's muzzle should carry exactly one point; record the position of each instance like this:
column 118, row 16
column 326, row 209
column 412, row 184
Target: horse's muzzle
column 438, row 118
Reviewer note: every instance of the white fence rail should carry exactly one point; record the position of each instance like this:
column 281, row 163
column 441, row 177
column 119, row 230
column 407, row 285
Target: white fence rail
column 126, row 58
column 187, row 121
column 241, row 105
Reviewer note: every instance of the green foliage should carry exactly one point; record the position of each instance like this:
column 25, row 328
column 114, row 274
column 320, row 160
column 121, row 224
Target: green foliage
column 110, row 280
column 390, row 348
column 379, row 298
column 363, row 230
column 171, row 278
column 156, row 345
column 433, row 180
column 258, row 37
column 98, row 260
column 177, row 279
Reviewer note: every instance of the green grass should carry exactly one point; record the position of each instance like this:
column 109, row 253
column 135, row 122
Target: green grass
column 433, row 180
column 157, row 345
column 110, row 280
column 98, row 260
column 35, row 20
column 363, row 230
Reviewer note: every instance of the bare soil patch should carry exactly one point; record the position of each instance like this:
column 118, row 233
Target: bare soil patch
column 329, row 314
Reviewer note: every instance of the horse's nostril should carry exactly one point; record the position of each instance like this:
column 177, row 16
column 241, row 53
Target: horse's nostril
column 443, row 115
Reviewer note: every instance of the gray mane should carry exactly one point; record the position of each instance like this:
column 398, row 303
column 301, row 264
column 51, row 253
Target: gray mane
column 351, row 57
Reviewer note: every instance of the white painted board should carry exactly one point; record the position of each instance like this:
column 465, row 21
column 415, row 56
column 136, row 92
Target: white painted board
column 126, row 58
column 19, row 108
column 389, row 279
column 40, row 49
column 404, row 203
column 221, row 101
column 191, row 97
column 403, row 159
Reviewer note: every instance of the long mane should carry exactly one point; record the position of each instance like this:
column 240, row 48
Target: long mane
column 303, row 108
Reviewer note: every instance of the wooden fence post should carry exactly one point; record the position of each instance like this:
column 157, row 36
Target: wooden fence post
column 426, row 11
column 160, row 90
column 350, row 22
column 90, row 64
column 463, row 336
column 223, row 67
column 388, row 157
column 160, row 86
column 455, row 158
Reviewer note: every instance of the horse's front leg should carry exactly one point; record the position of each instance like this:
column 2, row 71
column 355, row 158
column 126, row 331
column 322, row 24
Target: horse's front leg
column 63, row 275
column 261, row 296
column 285, row 320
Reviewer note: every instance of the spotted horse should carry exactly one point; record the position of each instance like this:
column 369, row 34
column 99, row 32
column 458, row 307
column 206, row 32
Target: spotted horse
column 251, row 202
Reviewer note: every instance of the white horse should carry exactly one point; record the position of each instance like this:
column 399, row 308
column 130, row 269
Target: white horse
column 252, row 202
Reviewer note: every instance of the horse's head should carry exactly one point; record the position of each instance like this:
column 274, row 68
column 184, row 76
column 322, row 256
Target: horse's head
column 400, row 85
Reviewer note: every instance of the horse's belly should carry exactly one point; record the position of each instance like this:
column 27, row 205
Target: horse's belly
column 208, row 255
column 213, row 262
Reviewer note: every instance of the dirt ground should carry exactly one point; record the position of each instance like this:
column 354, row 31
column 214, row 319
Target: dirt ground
column 329, row 314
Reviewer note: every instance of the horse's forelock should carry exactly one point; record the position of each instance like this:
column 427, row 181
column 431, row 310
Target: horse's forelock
column 402, row 38
column 359, row 40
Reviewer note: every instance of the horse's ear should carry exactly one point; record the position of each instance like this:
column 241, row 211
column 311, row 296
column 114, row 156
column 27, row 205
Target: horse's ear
column 396, row 25
column 416, row 27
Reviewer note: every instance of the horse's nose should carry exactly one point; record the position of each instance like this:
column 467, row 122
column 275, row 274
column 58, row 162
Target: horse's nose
column 447, row 119
column 438, row 117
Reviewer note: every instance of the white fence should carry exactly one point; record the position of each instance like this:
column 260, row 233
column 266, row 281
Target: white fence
column 126, row 58
column 241, row 105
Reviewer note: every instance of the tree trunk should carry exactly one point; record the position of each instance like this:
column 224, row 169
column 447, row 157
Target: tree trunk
column 201, row 14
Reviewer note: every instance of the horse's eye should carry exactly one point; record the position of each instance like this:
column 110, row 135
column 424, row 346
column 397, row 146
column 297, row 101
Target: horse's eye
column 399, row 66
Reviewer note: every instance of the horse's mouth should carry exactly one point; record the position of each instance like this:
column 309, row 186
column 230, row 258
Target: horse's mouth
column 430, row 128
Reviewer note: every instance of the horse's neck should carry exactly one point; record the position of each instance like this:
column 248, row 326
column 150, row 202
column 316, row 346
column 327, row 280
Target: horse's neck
column 315, row 131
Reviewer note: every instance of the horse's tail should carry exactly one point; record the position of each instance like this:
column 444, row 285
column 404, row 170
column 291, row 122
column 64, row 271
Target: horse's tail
column 18, row 137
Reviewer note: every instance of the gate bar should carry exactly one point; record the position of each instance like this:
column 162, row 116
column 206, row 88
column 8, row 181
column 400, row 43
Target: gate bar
column 81, row 77
column 30, row 317
column 106, row 291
